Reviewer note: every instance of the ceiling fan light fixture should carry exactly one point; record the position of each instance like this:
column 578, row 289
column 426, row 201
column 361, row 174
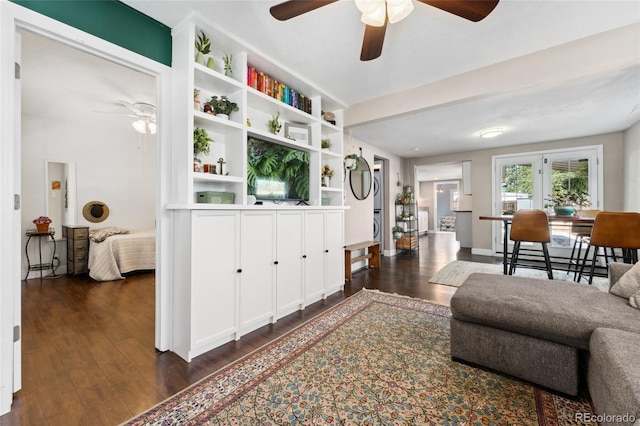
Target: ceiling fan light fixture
column 367, row 6
column 397, row 10
column 140, row 126
column 491, row 133
column 377, row 17
column 152, row 127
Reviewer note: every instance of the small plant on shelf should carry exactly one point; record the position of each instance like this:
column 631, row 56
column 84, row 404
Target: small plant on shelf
column 405, row 197
column 397, row 231
column 326, row 143
column 201, row 142
column 203, row 47
column 227, row 59
column 220, row 105
column 42, row 220
column 274, row 125
column 326, row 174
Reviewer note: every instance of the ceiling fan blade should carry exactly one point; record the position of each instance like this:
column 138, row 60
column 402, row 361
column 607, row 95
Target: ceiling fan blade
column 292, row 8
column 373, row 41
column 473, row 10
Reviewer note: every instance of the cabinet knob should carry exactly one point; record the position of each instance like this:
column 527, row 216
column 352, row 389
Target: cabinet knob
column 326, row 251
column 239, row 270
column 275, row 263
column 304, row 256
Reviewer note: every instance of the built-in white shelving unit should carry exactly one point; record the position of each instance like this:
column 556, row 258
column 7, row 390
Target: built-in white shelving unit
column 238, row 267
column 255, row 110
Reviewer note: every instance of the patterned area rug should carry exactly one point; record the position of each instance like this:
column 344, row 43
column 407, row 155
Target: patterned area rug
column 373, row 359
column 454, row 274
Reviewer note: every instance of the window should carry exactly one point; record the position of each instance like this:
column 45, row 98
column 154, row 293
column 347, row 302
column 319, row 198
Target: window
column 527, row 180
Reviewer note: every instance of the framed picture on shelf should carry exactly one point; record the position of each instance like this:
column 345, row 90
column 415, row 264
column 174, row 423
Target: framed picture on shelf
column 297, row 132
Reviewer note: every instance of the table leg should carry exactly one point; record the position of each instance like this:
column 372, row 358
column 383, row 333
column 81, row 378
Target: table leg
column 505, row 245
column 374, row 262
column 347, row 265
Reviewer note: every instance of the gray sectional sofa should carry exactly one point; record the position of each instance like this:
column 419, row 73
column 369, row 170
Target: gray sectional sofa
column 555, row 334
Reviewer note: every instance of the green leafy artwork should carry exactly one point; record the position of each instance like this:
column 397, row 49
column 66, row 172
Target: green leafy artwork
column 278, row 163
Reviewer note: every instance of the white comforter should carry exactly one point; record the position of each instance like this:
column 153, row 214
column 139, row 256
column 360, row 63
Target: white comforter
column 119, row 254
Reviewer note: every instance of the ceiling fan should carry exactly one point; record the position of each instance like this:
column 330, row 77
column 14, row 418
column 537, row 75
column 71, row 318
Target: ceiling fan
column 145, row 114
column 377, row 13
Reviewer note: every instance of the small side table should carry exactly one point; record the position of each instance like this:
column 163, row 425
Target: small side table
column 40, row 266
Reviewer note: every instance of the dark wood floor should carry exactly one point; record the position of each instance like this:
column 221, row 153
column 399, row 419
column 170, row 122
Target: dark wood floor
column 88, row 348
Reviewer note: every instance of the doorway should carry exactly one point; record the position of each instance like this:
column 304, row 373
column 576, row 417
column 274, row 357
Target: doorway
column 14, row 19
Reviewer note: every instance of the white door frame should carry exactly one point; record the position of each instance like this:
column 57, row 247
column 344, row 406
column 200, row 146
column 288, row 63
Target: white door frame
column 12, row 17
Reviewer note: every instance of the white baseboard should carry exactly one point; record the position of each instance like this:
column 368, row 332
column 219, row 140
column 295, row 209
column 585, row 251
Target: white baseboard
column 482, row 252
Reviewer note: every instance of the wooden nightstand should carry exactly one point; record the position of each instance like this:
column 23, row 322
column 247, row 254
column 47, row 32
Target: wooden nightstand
column 77, row 248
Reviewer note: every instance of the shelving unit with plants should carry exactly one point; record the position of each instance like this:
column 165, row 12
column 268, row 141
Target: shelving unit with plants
column 406, row 232
column 224, row 71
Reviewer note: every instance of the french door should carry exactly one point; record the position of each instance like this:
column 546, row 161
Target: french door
column 527, row 180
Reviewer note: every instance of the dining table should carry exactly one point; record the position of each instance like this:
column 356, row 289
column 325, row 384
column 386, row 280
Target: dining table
column 507, row 219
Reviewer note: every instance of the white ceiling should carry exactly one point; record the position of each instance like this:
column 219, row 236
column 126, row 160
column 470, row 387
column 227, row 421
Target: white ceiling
column 584, row 95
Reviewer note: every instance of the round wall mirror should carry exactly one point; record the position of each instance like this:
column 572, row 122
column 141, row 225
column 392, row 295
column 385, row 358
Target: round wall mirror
column 361, row 179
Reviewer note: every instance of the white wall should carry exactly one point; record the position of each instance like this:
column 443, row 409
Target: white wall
column 359, row 216
column 631, row 180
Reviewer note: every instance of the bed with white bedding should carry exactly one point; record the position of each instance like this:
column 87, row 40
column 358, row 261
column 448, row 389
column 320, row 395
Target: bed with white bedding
column 115, row 251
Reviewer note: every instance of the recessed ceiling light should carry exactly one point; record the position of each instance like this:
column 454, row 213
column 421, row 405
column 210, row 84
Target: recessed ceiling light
column 491, row 133
column 416, row 149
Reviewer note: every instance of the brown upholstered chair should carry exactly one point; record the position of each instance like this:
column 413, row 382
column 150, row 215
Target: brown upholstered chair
column 614, row 230
column 580, row 233
column 530, row 226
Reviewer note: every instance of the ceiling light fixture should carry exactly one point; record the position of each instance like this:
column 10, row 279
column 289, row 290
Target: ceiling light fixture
column 374, row 12
column 144, row 126
column 491, row 133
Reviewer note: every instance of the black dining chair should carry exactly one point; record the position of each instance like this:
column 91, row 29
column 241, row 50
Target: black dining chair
column 530, row 226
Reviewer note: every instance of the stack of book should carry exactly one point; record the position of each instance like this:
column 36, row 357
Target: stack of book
column 271, row 87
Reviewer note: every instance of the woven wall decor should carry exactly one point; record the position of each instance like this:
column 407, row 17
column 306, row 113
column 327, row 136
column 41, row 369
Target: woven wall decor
column 95, row 211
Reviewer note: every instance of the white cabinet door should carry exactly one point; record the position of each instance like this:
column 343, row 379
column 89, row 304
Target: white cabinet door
column 314, row 282
column 289, row 250
column 334, row 251
column 214, row 263
column 258, row 270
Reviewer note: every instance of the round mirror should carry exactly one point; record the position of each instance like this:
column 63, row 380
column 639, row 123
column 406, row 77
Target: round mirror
column 361, row 179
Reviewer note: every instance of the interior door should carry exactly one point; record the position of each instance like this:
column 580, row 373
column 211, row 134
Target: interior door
column 17, row 308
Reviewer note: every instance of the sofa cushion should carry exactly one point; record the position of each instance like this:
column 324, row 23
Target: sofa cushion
column 614, row 379
column 629, row 283
column 559, row 311
column 635, row 300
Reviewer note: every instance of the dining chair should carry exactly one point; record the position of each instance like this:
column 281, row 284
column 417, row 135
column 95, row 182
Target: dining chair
column 530, row 226
column 579, row 232
column 613, row 230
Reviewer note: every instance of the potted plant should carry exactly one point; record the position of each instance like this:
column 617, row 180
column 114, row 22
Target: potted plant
column 201, row 141
column 220, row 106
column 203, row 47
column 326, row 173
column 564, row 202
column 274, row 125
column 227, row 59
column 351, row 162
column 397, row 232
column 42, row 223
column 405, row 197
column 326, row 143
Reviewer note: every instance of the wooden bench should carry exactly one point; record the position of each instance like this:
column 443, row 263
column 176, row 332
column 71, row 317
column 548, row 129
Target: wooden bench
column 372, row 253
